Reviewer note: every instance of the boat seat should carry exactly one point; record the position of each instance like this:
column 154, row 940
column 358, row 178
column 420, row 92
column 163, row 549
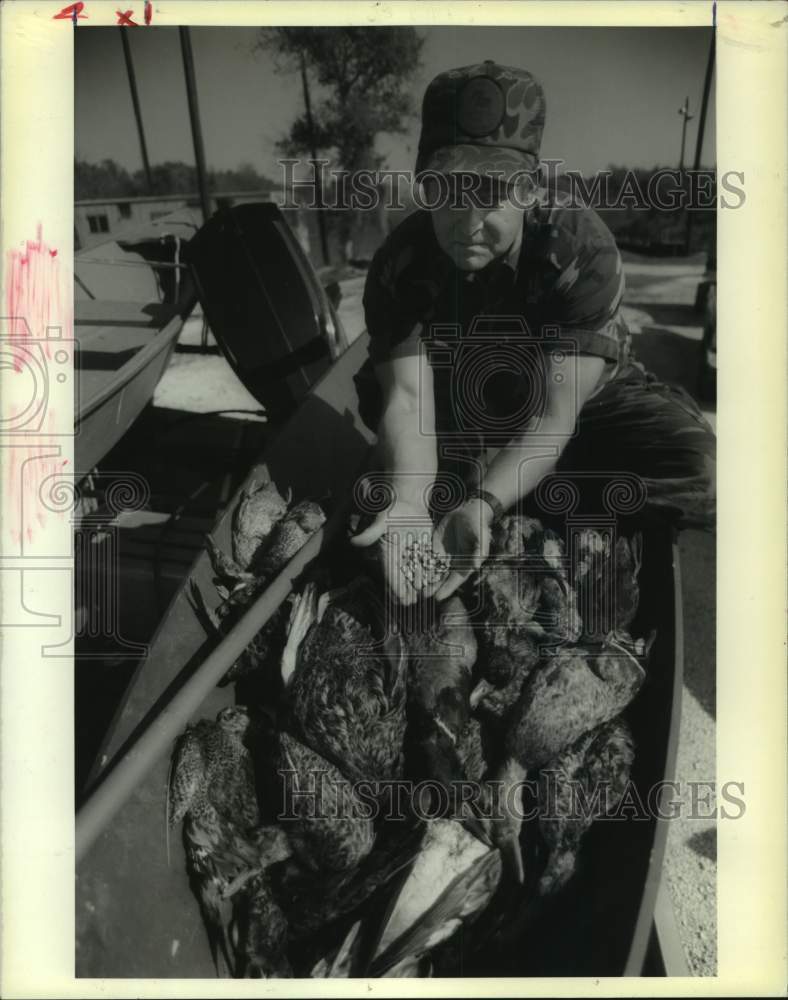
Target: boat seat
column 122, row 350
column 100, row 312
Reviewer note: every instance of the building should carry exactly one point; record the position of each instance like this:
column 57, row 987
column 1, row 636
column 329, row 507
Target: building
column 97, row 220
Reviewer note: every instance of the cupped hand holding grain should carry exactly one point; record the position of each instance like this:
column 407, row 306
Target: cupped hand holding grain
column 413, row 561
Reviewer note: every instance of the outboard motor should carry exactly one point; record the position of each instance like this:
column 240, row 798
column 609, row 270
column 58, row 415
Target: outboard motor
column 265, row 305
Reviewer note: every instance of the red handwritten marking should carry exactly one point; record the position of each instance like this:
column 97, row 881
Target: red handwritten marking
column 124, row 17
column 27, row 469
column 36, row 299
column 72, row 12
column 148, row 11
column 34, row 295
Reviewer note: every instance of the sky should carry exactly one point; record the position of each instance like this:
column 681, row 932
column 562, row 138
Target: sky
column 613, row 94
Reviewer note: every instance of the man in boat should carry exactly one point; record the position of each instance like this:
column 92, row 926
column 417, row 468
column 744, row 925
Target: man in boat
column 498, row 353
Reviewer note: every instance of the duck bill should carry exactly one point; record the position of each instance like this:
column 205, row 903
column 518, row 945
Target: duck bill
column 475, row 826
column 512, row 859
column 482, row 689
column 442, row 765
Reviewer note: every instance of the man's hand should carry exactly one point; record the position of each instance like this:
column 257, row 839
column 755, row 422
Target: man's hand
column 396, row 530
column 464, row 533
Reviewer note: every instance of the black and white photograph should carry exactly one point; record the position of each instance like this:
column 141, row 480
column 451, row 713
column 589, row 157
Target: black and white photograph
column 393, row 498
column 399, row 338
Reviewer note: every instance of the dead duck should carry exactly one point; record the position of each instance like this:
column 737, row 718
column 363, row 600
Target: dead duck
column 260, row 507
column 344, row 714
column 598, row 765
column 212, row 791
column 289, row 535
column 264, row 941
column 493, row 699
column 557, row 611
column 346, row 680
column 471, row 750
column 571, row 692
column 261, row 651
column 316, row 904
column 259, row 510
column 440, row 730
column 628, row 559
column 437, row 901
column 525, row 604
column 239, row 587
column 329, row 828
column 606, row 581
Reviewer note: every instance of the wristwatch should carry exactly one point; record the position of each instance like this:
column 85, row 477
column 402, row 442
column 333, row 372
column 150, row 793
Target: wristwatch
column 490, row 499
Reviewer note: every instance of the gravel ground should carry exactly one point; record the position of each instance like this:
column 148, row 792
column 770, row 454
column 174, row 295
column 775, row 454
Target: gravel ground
column 691, row 862
column 666, row 333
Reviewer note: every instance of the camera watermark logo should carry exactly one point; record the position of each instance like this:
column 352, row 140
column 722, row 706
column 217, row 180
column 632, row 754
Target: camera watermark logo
column 42, row 385
column 492, row 382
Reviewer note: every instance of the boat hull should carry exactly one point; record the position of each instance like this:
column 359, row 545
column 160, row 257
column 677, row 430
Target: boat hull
column 135, row 913
column 130, row 303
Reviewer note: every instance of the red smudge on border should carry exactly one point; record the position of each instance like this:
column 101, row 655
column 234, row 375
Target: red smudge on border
column 26, row 470
column 36, row 314
column 148, row 12
column 34, row 294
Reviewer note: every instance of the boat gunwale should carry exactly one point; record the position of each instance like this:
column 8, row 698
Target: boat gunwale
column 161, row 339
column 645, row 920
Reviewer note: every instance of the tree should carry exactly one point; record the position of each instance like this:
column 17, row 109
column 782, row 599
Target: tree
column 361, row 76
column 362, row 72
column 101, row 180
column 109, row 180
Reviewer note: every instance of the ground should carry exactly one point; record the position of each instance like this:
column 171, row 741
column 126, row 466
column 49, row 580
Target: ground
column 666, row 332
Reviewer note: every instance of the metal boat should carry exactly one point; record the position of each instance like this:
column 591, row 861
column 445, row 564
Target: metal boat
column 135, row 913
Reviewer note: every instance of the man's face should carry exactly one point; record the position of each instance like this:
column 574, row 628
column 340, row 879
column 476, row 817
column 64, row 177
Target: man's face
column 476, row 219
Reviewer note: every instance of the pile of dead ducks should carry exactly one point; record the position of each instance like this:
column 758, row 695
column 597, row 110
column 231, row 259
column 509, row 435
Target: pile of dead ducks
column 364, row 801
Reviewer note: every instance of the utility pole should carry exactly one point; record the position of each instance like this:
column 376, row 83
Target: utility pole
column 704, row 106
column 135, row 100
column 194, row 116
column 701, row 126
column 686, row 116
column 317, row 170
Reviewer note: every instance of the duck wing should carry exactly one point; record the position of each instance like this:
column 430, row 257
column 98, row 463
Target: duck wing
column 327, row 824
column 226, row 570
column 288, row 536
column 465, row 897
column 187, row 775
column 259, row 509
column 564, row 698
column 596, row 767
column 218, row 857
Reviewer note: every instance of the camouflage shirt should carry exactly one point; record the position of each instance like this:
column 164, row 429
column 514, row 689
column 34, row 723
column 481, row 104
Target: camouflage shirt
column 568, row 276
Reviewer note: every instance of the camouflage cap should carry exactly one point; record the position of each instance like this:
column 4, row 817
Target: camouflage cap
column 482, row 119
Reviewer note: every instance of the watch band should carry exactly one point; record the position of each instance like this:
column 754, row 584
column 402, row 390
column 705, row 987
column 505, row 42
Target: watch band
column 490, row 499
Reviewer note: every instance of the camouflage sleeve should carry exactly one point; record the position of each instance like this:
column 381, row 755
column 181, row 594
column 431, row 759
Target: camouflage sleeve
column 588, row 293
column 584, row 281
